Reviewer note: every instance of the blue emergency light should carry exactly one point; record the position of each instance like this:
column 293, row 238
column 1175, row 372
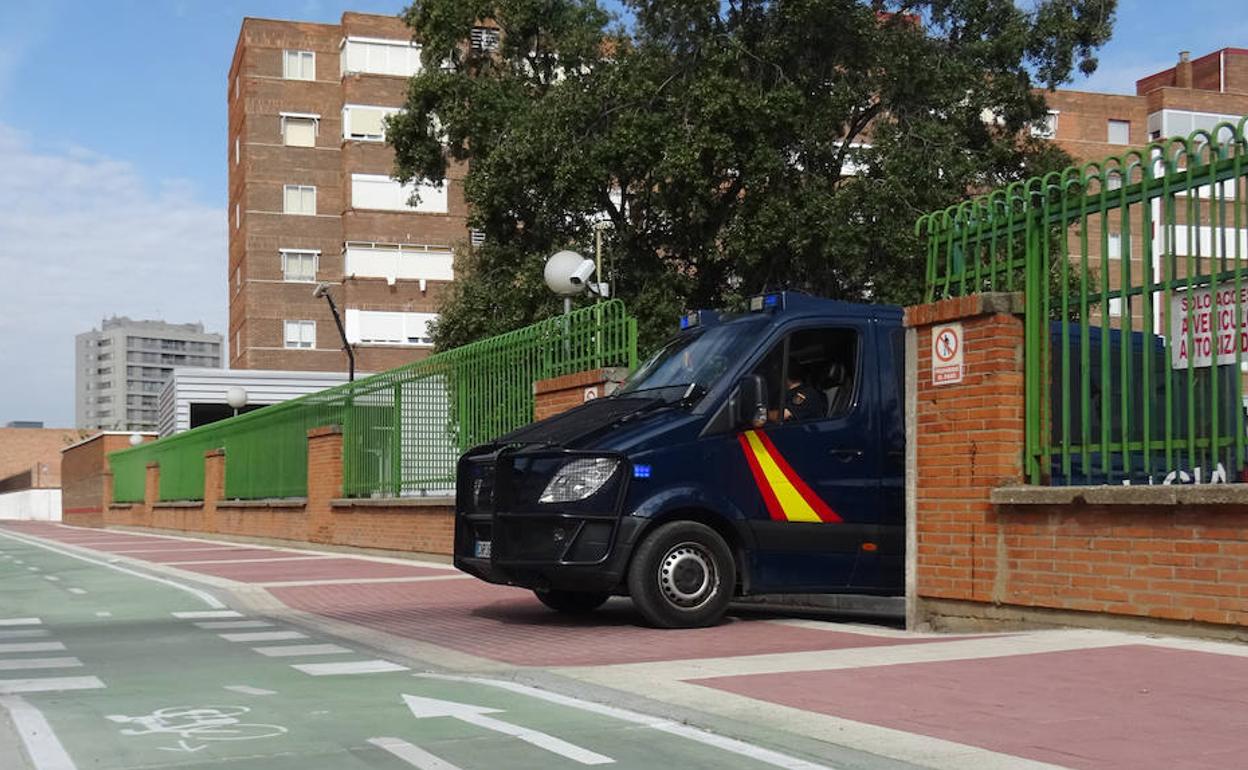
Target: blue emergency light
column 641, row 471
column 774, row 301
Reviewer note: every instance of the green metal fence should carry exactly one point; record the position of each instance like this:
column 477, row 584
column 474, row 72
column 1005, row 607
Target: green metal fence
column 402, row 429
column 1135, row 271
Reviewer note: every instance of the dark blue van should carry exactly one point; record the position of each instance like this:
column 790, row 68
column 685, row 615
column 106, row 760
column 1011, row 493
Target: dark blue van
column 701, row 479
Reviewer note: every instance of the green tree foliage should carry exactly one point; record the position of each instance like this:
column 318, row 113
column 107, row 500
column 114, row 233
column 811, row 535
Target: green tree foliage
column 733, row 146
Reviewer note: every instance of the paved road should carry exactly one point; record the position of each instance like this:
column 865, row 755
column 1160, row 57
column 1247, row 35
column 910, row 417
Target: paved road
column 103, row 665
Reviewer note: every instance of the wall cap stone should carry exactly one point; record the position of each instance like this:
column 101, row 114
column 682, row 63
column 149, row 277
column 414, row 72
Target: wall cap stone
column 122, row 506
column 179, row 504
column 325, row 430
column 214, row 453
column 393, row 502
column 277, row 502
column 1135, row 495
column 970, row 306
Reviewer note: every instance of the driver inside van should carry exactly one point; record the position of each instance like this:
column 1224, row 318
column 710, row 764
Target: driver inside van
column 802, row 401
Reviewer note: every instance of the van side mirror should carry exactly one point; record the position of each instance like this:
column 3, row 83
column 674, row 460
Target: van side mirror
column 751, row 402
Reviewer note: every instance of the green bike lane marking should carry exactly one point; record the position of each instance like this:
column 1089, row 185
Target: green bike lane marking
column 165, row 704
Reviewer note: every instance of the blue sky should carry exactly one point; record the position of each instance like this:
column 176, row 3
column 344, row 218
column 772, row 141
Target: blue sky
column 112, row 124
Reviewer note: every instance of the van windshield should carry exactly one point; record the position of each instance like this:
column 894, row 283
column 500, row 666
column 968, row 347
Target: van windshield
column 691, row 362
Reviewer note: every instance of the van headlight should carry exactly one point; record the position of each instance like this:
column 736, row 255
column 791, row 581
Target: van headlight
column 579, row 479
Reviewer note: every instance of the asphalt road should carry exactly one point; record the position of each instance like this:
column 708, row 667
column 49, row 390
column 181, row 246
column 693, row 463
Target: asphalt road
column 103, row 666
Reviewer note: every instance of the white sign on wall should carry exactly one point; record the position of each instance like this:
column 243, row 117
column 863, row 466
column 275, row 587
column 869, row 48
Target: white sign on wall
column 1213, row 327
column 947, row 343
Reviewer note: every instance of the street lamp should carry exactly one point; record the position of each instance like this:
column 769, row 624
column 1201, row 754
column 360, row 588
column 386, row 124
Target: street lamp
column 236, row 397
column 322, row 290
column 135, row 439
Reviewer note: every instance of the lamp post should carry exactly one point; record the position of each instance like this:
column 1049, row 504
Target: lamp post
column 236, row 398
column 322, row 290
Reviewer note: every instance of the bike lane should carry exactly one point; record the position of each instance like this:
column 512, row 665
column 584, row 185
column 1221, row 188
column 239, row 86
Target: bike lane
column 129, row 672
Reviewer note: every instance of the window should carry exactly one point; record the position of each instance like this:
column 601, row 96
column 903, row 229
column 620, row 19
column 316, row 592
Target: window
column 237, row 215
column 299, row 265
column 819, row 374
column 1047, row 128
column 390, row 328
column 299, row 199
column 236, row 86
column 1115, row 246
column 391, row 261
column 484, row 39
column 1119, row 132
column 238, row 342
column 477, row 237
column 237, row 149
column 299, row 130
column 365, row 123
column 301, row 334
column 299, row 65
column 374, row 191
column 1115, row 307
column 380, row 57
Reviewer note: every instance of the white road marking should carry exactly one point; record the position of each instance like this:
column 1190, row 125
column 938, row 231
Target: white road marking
column 24, row 633
column 207, row 614
column 103, row 614
column 221, row 625
column 18, row 561
column 269, row 560
column 20, row 622
column 53, row 578
column 50, row 684
column 42, row 745
column 413, row 755
column 349, row 667
column 340, row 581
column 33, row 569
column 432, row 708
column 76, row 590
column 203, row 596
column 32, row 647
column 696, row 734
column 18, row 664
column 137, row 551
column 263, row 636
column 246, row 690
column 293, row 650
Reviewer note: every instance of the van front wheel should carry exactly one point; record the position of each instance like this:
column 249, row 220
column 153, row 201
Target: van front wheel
column 682, row 576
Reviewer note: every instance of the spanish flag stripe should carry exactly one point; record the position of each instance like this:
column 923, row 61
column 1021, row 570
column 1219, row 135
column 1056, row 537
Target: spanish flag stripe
column 791, row 501
column 773, row 505
column 820, row 508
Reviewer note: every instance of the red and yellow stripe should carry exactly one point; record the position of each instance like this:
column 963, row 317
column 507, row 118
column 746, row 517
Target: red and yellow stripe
column 788, row 498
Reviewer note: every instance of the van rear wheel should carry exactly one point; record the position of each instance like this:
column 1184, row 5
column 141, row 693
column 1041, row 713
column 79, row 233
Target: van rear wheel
column 682, row 576
column 571, row 602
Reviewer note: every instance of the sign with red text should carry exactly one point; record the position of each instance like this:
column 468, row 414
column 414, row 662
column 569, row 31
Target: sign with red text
column 1210, row 321
column 947, row 354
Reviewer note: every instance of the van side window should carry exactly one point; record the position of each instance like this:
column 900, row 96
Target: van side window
column 771, row 369
column 822, row 366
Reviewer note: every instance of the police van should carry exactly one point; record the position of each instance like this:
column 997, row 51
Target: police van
column 756, row 453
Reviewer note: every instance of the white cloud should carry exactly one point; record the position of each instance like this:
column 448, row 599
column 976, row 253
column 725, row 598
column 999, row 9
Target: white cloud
column 82, row 237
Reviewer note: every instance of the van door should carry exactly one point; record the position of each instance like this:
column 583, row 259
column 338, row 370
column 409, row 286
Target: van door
column 816, row 466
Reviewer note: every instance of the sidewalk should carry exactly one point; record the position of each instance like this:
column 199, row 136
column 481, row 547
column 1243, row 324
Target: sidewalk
column 1069, row 698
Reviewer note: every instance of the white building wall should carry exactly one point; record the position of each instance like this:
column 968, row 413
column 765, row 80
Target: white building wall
column 31, row 505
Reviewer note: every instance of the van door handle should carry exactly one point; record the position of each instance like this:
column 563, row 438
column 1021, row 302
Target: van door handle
column 845, row 455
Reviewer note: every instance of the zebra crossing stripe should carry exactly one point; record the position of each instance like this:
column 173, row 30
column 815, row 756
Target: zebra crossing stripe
column 20, row 622
column 50, row 684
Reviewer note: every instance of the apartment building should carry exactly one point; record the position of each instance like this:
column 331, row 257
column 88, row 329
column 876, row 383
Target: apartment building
column 311, row 200
column 121, row 368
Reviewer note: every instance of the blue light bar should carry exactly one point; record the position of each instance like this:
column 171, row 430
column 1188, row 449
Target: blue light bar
column 641, row 471
column 767, row 302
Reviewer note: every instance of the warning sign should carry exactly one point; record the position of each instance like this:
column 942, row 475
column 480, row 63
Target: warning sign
column 947, row 354
column 1213, row 327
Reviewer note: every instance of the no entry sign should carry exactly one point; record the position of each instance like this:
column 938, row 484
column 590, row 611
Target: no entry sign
column 947, row 343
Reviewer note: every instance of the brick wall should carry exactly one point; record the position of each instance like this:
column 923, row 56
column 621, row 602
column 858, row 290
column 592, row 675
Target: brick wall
column 560, row 394
column 37, row 450
column 86, row 483
column 984, row 548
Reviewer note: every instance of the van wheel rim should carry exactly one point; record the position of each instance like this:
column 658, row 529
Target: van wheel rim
column 687, row 576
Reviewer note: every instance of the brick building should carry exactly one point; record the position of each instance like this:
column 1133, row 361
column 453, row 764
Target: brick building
column 34, row 455
column 311, row 199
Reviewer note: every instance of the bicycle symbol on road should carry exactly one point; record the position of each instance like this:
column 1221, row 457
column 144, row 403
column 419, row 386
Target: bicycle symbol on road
column 202, row 723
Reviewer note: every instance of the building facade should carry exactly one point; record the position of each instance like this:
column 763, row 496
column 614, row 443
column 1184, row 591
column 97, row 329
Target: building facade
column 121, row 368
column 195, row 397
column 311, row 200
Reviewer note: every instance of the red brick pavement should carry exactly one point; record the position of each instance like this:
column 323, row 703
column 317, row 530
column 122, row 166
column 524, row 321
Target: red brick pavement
column 1133, row 707
column 314, row 569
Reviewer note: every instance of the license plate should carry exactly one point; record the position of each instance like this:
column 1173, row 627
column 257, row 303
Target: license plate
column 483, row 549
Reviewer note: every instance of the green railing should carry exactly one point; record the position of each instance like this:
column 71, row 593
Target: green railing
column 402, row 429
column 1135, row 273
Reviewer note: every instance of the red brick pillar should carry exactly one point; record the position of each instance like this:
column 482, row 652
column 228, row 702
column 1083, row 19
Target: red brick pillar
column 214, row 486
column 151, row 494
column 966, row 438
column 559, row 394
column 324, row 481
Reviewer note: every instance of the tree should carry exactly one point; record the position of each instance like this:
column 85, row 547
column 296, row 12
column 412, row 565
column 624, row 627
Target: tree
column 733, row 147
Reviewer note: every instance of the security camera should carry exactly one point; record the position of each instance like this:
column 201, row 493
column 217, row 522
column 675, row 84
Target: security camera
column 321, row 290
column 582, row 273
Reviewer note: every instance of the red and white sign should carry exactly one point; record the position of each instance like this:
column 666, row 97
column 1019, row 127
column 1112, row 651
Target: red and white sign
column 947, row 367
column 1213, row 327
column 590, row 393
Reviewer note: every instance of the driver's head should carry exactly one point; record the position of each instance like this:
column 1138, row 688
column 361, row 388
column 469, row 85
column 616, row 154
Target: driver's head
column 795, row 375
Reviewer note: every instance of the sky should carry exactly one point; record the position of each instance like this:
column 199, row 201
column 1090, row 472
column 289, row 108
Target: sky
column 113, row 160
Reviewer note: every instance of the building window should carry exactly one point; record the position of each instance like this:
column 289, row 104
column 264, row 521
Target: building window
column 299, row 130
column 484, row 39
column 299, row 265
column 365, row 123
column 299, row 65
column 398, row 262
column 1119, row 132
column 1046, row 127
column 237, row 215
column 1115, row 246
column 238, row 342
column 380, row 57
column 477, row 237
column 237, row 149
column 1115, row 307
column 299, row 199
column 301, row 334
column 236, row 86
column 375, row 191
column 389, row 328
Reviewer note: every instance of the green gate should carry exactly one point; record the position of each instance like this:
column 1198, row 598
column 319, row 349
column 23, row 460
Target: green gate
column 1136, row 294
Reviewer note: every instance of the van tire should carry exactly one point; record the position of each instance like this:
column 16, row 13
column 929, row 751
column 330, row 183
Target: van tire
column 571, row 602
column 682, row 576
